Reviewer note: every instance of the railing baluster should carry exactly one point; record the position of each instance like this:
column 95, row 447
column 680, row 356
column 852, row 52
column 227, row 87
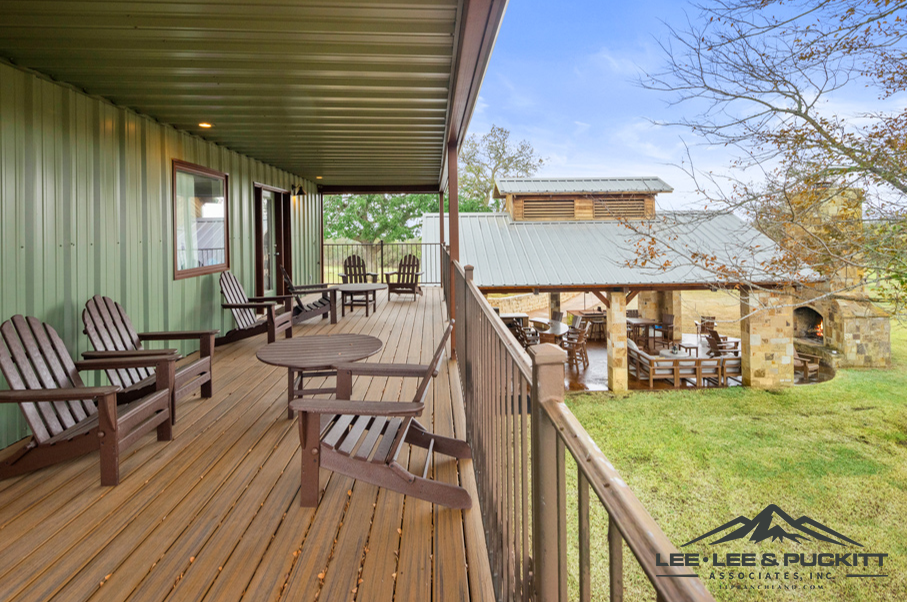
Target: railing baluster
column 562, row 519
column 615, row 561
column 585, row 565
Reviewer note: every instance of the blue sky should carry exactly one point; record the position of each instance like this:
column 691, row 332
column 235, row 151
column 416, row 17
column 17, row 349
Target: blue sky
column 562, row 76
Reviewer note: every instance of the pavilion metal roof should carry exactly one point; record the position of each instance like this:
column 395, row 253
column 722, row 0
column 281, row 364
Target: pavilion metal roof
column 351, row 92
column 576, row 254
column 649, row 185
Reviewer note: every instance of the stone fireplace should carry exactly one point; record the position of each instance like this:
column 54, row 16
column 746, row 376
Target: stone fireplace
column 846, row 331
column 809, row 325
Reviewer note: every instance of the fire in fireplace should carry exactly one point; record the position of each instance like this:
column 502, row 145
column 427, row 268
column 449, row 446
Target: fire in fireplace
column 809, row 324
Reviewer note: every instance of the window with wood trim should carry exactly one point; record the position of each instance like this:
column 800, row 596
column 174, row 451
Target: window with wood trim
column 200, row 221
column 548, row 209
column 632, row 208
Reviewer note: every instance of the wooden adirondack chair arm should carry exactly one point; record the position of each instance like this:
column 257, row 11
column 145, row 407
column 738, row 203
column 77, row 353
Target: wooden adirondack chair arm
column 114, row 363
column 275, row 299
column 358, row 408
column 247, row 305
column 176, row 336
column 99, row 355
column 301, row 290
column 71, row 394
column 376, row 369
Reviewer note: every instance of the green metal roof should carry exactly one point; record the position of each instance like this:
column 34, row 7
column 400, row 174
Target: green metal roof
column 359, row 92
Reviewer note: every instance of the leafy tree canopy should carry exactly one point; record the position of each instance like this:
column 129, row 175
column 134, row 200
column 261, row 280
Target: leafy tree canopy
column 771, row 81
column 395, row 217
column 374, row 217
column 482, row 159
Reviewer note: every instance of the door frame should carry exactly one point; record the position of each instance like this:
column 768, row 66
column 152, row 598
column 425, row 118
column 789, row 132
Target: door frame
column 282, row 232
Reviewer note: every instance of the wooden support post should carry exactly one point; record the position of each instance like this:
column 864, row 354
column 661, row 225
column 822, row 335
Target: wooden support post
column 618, row 376
column 547, row 388
column 453, row 201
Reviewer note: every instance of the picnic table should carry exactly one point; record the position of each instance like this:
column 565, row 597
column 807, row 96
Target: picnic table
column 641, row 328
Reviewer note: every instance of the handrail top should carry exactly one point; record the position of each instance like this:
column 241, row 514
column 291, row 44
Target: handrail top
column 642, row 534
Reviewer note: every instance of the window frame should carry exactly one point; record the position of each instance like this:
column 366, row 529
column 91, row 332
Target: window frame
column 179, row 166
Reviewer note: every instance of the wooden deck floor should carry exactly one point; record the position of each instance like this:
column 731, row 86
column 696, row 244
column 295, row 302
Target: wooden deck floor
column 214, row 514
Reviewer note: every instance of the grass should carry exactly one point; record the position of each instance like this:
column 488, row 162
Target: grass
column 835, row 451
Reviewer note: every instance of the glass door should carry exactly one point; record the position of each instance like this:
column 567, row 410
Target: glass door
column 269, row 251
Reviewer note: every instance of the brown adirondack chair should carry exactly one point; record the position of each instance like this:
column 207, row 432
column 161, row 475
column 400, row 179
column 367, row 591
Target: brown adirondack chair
column 68, row 419
column 112, row 334
column 406, row 280
column 719, row 345
column 354, row 271
column 247, row 323
column 807, row 364
column 323, row 306
column 363, row 439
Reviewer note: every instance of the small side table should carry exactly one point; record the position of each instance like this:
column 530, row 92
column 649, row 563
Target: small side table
column 359, row 294
column 316, row 355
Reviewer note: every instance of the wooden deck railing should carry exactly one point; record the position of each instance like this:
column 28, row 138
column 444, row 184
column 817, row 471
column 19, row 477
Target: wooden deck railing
column 519, row 428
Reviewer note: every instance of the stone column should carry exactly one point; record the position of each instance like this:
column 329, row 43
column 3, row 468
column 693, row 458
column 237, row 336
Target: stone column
column 554, row 303
column 767, row 339
column 671, row 303
column 647, row 302
column 617, row 343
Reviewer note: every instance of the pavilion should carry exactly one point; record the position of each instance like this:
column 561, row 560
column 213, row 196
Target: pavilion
column 560, row 235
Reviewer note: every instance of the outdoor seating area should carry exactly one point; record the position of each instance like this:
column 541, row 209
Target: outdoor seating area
column 214, row 513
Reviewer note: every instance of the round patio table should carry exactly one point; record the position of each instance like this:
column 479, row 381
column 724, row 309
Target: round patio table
column 366, row 290
column 554, row 331
column 316, row 355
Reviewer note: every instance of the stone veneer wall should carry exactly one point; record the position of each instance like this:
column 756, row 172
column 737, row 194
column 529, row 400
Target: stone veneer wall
column 653, row 305
column 858, row 330
column 523, row 304
column 618, row 364
column 766, row 339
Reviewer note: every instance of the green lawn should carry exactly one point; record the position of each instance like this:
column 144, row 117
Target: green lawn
column 836, row 452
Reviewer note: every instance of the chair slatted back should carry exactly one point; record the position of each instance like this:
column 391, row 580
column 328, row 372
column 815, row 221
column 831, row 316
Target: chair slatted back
column 408, row 270
column 233, row 292
column 632, row 313
column 32, row 356
column 433, row 368
column 110, row 329
column 354, row 268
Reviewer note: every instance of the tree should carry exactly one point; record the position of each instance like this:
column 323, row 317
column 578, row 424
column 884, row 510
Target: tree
column 491, row 156
column 372, row 217
column 758, row 76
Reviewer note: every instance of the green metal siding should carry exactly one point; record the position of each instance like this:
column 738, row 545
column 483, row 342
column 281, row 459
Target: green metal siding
column 85, row 209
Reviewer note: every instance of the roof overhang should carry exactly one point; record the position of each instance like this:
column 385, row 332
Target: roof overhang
column 347, row 94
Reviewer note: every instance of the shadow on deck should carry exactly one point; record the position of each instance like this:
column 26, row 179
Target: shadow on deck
column 214, row 514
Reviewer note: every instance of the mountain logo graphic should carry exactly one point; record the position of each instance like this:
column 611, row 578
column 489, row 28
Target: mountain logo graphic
column 775, row 523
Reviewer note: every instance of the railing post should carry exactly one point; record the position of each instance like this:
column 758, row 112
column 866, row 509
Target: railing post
column 549, row 542
column 382, row 262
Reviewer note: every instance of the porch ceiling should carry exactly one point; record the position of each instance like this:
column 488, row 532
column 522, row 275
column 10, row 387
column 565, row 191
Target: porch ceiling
column 359, row 92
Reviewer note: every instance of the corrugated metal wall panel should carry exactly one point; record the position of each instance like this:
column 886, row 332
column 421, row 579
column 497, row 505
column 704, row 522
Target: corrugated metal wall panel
column 85, row 209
